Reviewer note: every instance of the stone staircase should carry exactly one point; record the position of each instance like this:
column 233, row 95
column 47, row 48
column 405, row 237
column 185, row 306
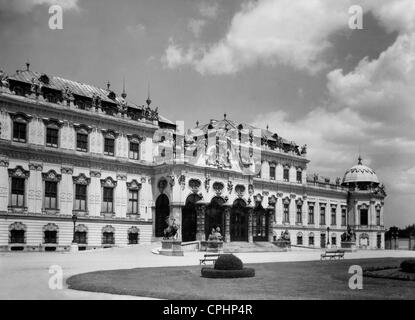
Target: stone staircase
column 234, row 247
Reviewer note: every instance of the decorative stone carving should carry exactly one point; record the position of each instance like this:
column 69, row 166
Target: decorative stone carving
column 162, row 185
column 108, row 228
column 50, row 227
column 81, row 228
column 81, row 179
column 143, row 180
column 230, row 186
column 17, row 226
column 258, row 198
column 95, row 174
column 250, row 189
column 272, row 200
column 4, row 163
column 194, row 185
column 207, row 182
column 182, row 181
column 51, row 176
column 35, row 166
column 133, row 229
column 240, row 190
column 108, row 182
column 122, row 176
column 67, row 170
column 218, row 188
column 171, row 180
column 19, row 172
column 134, row 185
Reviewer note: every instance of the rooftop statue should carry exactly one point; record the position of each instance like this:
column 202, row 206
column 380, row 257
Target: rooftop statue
column 4, row 79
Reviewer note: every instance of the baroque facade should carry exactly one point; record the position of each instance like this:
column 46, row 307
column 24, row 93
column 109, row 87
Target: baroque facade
column 81, row 163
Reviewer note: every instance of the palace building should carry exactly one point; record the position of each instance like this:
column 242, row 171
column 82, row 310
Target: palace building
column 84, row 164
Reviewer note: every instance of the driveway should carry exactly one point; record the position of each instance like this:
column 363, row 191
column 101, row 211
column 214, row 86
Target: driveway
column 25, row 275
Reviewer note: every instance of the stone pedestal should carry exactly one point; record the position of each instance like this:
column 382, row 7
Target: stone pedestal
column 348, row 245
column 171, row 248
column 74, row 247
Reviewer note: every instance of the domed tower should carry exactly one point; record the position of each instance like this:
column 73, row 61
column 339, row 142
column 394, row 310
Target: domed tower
column 365, row 205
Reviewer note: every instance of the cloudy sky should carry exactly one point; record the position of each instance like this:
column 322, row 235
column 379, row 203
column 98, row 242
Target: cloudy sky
column 293, row 65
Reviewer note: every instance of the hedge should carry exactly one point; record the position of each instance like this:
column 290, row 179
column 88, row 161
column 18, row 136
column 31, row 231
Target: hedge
column 215, row 273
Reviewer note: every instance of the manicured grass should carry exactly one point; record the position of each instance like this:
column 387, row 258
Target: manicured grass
column 282, row 280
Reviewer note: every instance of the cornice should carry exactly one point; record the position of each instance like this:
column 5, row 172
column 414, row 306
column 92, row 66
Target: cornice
column 49, row 110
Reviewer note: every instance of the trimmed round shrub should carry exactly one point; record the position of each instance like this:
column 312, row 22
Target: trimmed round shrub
column 228, row 262
column 408, row 266
column 215, row 273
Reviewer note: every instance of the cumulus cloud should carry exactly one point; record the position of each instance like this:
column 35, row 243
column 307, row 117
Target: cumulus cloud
column 26, row 6
column 208, row 10
column 371, row 107
column 288, row 32
column 196, row 26
column 137, row 30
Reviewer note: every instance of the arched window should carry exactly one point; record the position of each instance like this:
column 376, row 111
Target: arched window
column 50, row 233
column 299, row 239
column 162, row 213
column 133, row 235
column 311, row 239
column 81, row 234
column 17, row 233
column 108, row 235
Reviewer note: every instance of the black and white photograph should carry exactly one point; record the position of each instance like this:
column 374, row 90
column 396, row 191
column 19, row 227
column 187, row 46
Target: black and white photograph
column 202, row 156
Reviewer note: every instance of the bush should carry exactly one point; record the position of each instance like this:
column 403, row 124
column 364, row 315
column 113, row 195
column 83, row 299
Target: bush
column 215, row 273
column 228, row 262
column 408, row 266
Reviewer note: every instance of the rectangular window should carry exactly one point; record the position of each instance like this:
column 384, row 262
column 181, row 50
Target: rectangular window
column 310, row 214
column 363, row 217
column 108, row 238
column 272, row 173
column 286, row 213
column 108, row 200
column 299, row 240
column 299, row 214
column 378, row 217
column 82, row 142
column 323, row 216
column 344, row 216
column 80, row 197
column 19, row 131
column 286, row 175
column 133, row 202
column 80, row 237
column 134, row 151
column 109, row 146
column 311, row 241
column 51, row 195
column 334, row 240
column 17, row 236
column 333, row 216
column 52, row 137
column 299, row 176
column 18, row 190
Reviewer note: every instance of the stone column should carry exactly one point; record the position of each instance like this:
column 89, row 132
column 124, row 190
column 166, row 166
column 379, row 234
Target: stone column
column 94, row 194
column 120, row 194
column 250, row 217
column 35, row 188
column 270, row 224
column 372, row 212
column 4, row 185
column 200, row 234
column 227, row 224
column 66, row 191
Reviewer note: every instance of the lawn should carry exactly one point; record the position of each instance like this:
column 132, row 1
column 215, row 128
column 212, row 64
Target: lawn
column 282, row 280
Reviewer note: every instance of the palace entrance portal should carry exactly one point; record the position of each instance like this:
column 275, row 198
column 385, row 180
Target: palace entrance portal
column 214, row 217
column 189, row 218
column 239, row 221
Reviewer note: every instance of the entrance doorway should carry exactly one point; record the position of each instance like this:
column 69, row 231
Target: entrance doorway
column 214, row 217
column 162, row 212
column 260, row 224
column 239, row 221
column 189, row 218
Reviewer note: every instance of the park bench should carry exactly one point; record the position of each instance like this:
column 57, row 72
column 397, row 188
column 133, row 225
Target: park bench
column 332, row 254
column 209, row 257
